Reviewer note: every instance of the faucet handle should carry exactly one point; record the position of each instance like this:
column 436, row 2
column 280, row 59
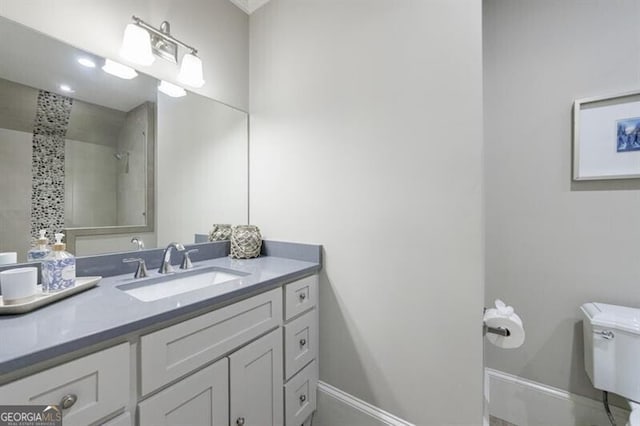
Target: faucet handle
column 186, row 260
column 141, row 270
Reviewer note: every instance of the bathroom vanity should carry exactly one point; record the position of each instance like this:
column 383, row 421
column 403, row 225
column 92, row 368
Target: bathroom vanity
column 241, row 352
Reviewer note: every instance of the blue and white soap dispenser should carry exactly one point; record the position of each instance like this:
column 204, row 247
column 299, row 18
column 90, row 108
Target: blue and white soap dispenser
column 41, row 249
column 58, row 268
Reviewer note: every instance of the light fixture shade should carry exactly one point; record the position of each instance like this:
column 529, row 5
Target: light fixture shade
column 119, row 70
column 171, row 89
column 191, row 71
column 136, row 45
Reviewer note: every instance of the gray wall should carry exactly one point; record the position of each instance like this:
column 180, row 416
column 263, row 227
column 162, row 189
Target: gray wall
column 552, row 245
column 366, row 137
column 90, row 185
column 95, row 124
column 18, row 105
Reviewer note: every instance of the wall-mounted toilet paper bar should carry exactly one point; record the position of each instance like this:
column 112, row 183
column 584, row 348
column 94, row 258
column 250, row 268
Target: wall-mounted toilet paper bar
column 494, row 330
column 497, row 330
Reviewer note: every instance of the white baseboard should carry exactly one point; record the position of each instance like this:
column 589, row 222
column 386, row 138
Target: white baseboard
column 336, row 407
column 527, row 403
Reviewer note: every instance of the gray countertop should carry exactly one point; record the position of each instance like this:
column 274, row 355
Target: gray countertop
column 106, row 312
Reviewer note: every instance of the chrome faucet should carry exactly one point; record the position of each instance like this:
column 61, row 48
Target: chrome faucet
column 165, row 267
column 137, row 241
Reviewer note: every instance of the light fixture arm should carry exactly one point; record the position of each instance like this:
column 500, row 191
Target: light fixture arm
column 162, row 34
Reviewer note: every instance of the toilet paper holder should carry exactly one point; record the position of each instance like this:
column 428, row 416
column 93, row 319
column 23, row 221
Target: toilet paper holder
column 501, row 331
column 496, row 330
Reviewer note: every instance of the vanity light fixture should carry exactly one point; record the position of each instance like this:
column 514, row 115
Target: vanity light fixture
column 171, row 89
column 119, row 70
column 191, row 71
column 136, row 45
column 142, row 41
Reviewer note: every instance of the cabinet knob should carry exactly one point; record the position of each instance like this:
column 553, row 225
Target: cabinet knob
column 303, row 398
column 67, row 401
column 240, row 421
column 303, row 342
column 302, row 296
column 607, row 334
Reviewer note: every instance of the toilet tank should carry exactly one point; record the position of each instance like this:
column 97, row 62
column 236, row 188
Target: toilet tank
column 612, row 348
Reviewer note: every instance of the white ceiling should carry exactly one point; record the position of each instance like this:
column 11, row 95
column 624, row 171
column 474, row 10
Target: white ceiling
column 35, row 60
column 249, row 6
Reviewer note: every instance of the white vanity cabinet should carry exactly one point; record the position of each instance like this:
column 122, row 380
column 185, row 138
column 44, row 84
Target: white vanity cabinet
column 250, row 363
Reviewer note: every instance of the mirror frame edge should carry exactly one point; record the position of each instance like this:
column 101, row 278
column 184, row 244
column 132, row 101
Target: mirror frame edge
column 71, row 234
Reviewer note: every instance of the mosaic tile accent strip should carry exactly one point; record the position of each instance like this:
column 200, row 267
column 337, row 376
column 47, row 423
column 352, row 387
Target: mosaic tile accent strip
column 47, row 165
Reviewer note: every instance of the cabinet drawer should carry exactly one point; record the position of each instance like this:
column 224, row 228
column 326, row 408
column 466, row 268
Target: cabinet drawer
column 300, row 296
column 300, row 342
column 100, row 382
column 173, row 352
column 300, row 395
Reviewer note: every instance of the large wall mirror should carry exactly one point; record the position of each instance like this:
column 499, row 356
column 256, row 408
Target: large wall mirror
column 103, row 158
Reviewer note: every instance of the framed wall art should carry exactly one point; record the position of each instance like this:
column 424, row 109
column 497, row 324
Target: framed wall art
column 606, row 137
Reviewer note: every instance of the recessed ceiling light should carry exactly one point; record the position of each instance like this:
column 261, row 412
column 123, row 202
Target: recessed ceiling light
column 171, row 89
column 119, row 70
column 66, row 88
column 86, row 62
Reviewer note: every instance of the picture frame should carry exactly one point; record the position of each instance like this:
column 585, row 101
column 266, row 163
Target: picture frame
column 606, row 137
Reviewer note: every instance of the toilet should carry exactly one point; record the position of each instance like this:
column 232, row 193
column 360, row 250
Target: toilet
column 612, row 351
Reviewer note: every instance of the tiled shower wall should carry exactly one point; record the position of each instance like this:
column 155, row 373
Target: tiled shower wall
column 47, row 167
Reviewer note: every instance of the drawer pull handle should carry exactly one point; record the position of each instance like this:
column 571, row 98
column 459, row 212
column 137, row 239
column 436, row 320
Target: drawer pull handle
column 303, row 398
column 303, row 342
column 240, row 421
column 302, row 297
column 67, row 401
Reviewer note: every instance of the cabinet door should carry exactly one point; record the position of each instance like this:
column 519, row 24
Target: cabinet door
column 256, row 382
column 201, row 399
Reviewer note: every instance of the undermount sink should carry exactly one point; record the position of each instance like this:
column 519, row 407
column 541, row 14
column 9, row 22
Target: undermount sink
column 169, row 285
